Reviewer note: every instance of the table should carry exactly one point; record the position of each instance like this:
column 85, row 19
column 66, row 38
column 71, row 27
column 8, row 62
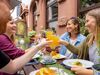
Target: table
column 29, row 68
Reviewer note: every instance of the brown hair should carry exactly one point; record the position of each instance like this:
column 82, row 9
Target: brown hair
column 96, row 14
column 75, row 21
column 4, row 17
column 7, row 2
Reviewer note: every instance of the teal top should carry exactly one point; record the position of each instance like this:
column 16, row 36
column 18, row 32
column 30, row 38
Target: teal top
column 66, row 37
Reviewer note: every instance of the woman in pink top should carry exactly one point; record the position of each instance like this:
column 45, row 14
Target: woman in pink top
column 7, row 32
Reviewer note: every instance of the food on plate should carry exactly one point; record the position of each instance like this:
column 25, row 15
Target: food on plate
column 77, row 63
column 55, row 55
column 46, row 71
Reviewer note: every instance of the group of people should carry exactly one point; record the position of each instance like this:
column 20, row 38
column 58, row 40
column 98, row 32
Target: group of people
column 11, row 56
column 90, row 46
column 73, row 43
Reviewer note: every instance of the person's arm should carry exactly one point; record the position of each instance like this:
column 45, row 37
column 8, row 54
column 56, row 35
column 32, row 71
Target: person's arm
column 70, row 47
column 81, row 70
column 74, row 49
column 19, row 62
column 8, row 68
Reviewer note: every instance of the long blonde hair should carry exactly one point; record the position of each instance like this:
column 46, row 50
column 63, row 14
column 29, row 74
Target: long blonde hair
column 96, row 14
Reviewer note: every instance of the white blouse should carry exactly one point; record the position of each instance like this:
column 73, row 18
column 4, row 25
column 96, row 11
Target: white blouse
column 93, row 54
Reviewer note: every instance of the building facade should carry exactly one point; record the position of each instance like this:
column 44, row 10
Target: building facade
column 43, row 14
column 51, row 13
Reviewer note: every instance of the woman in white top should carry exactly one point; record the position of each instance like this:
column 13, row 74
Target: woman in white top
column 90, row 48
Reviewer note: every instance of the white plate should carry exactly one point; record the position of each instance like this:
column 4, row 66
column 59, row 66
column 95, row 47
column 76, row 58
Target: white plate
column 85, row 63
column 59, row 71
column 60, row 57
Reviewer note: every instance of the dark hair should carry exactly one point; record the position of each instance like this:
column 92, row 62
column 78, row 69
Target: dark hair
column 75, row 21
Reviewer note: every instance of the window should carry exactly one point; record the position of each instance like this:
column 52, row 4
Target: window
column 54, row 12
column 54, row 9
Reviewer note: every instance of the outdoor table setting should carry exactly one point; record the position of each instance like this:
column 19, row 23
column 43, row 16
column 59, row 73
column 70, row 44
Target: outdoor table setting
column 45, row 65
column 52, row 62
column 57, row 67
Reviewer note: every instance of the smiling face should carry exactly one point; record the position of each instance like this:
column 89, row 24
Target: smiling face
column 71, row 26
column 90, row 24
column 11, row 28
column 93, row 24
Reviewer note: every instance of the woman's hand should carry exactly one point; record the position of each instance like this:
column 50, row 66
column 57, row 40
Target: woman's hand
column 81, row 70
column 63, row 42
column 43, row 44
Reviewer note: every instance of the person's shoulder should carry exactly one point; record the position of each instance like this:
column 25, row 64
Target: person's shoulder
column 81, row 36
column 3, row 38
column 89, row 36
column 64, row 35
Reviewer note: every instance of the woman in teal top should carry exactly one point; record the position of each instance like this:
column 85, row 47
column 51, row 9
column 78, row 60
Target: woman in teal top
column 72, row 35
